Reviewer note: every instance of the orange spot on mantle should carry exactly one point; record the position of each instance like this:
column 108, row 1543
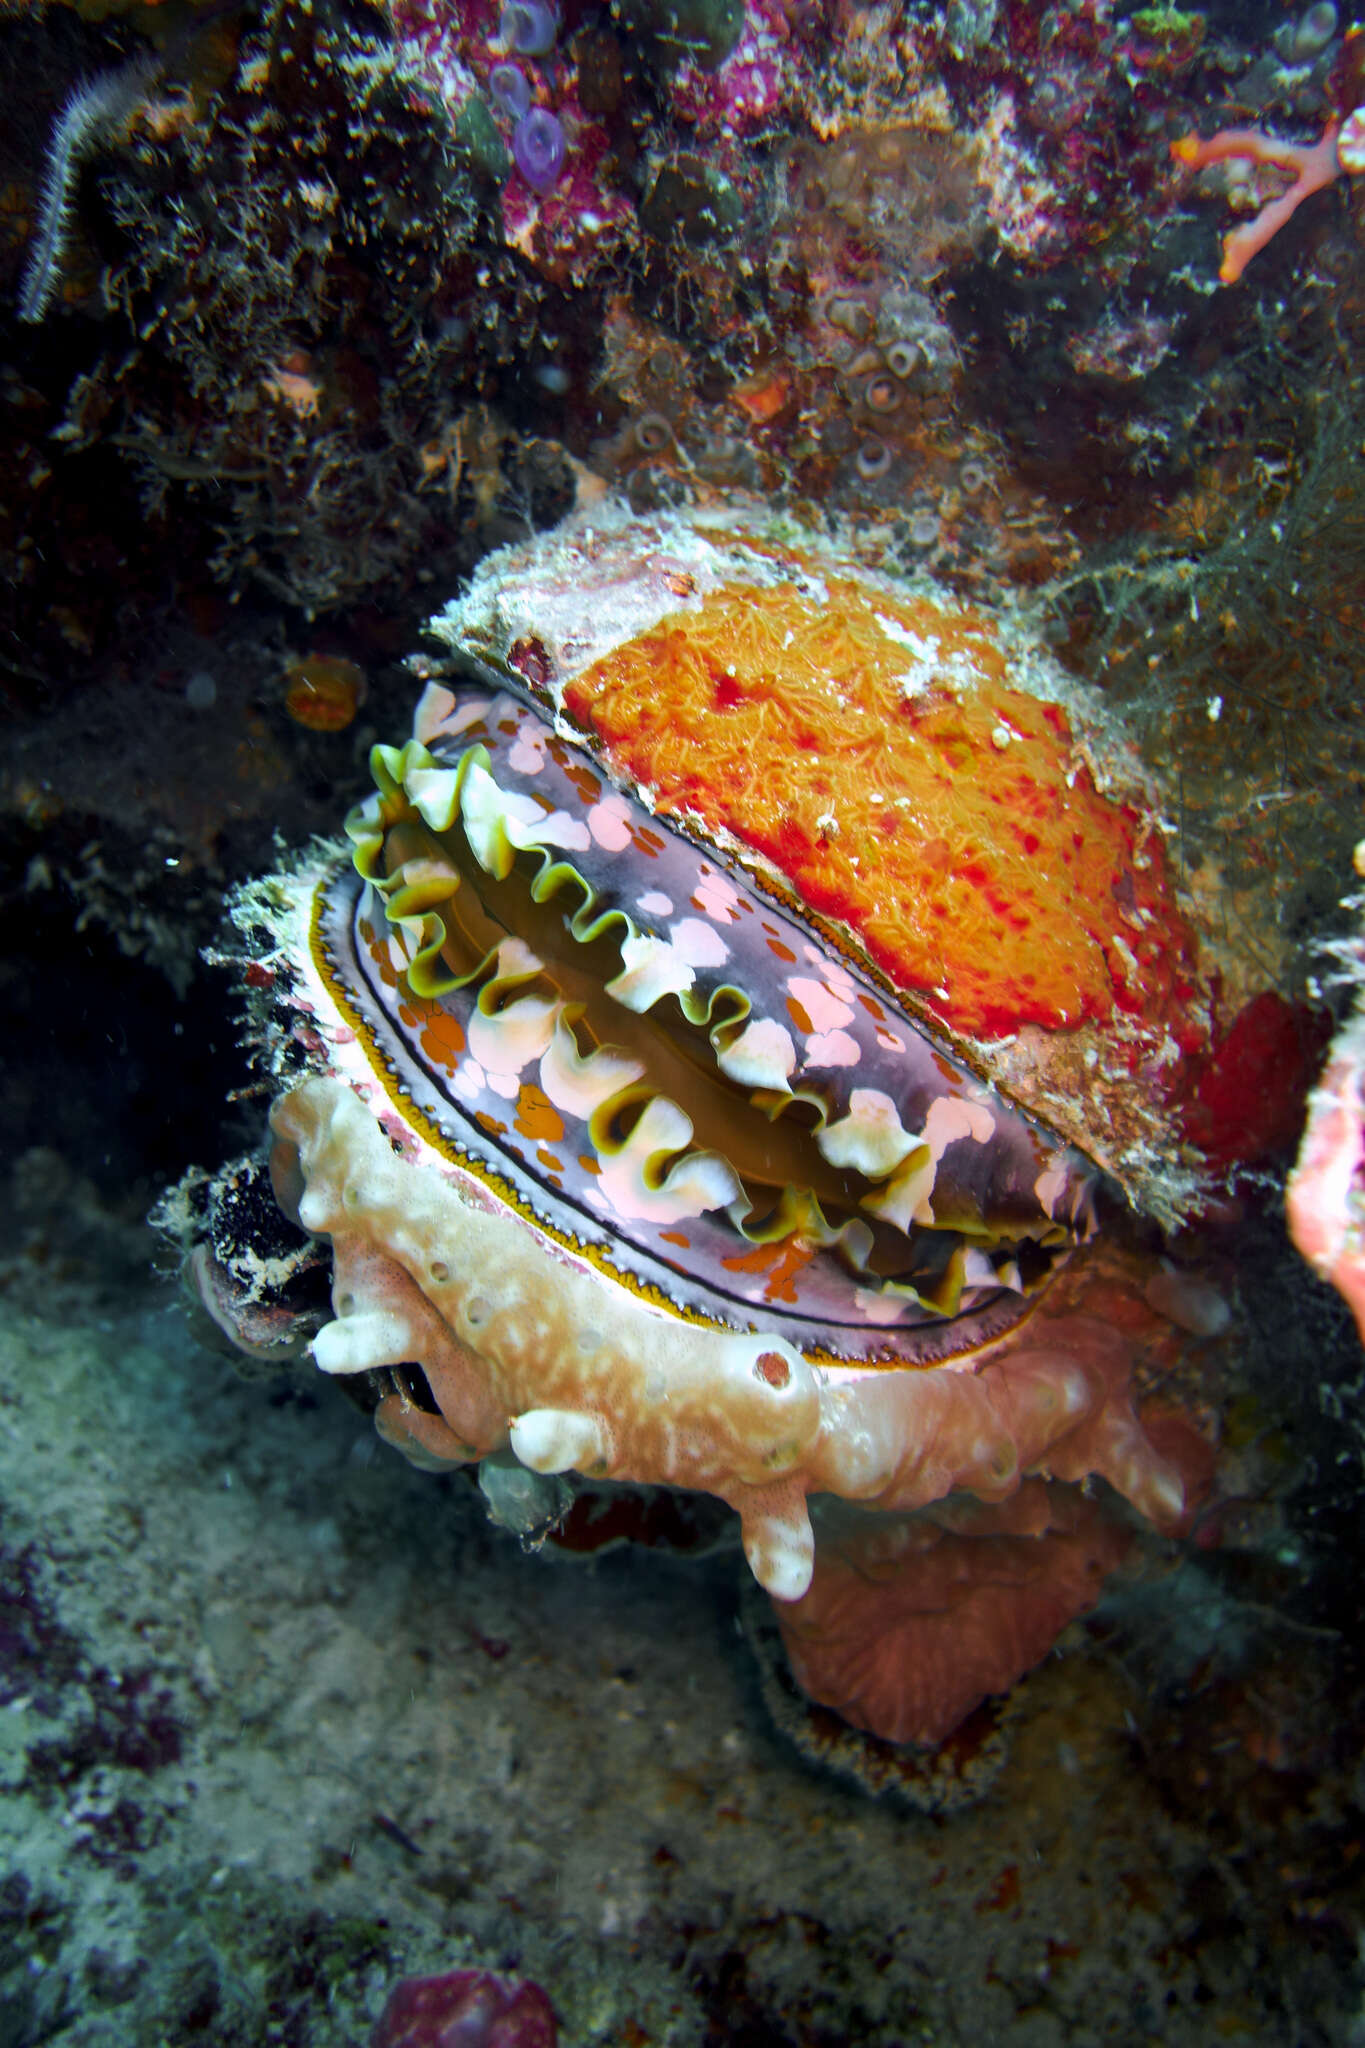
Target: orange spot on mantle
column 781, row 1262
column 443, row 1038
column 537, row 1116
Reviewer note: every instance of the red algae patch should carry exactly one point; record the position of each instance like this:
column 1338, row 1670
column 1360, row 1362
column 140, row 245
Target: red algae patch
column 873, row 749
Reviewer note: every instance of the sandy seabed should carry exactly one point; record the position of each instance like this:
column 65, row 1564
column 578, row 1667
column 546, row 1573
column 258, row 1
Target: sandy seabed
column 283, row 1721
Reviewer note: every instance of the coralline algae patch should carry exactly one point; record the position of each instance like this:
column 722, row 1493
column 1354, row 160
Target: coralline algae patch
column 872, row 748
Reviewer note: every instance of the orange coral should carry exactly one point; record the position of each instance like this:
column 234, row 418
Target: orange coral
column 323, row 692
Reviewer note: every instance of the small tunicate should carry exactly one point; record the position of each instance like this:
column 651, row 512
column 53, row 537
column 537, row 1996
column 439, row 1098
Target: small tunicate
column 724, row 458
column 201, row 691
column 529, row 27
column 1260, row 84
column 691, row 200
column 865, row 364
column 714, row 451
column 509, row 90
column 650, row 488
column 902, row 358
column 881, row 394
column 525, row 1502
column 1315, row 30
column 479, row 140
column 924, row 528
column 552, row 377
column 538, row 146
column 652, row 433
column 971, row 478
column 873, row 460
column 850, row 315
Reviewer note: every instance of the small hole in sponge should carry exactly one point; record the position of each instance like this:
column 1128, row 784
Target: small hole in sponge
column 413, row 1384
column 772, row 1367
column 439, row 1271
column 345, row 1304
column 478, row 1311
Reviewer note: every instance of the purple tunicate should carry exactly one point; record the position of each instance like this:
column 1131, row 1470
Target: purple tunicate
column 509, row 91
column 538, row 146
column 529, row 27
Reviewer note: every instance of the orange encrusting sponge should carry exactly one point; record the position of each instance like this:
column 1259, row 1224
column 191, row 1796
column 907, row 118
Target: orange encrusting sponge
column 872, row 749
